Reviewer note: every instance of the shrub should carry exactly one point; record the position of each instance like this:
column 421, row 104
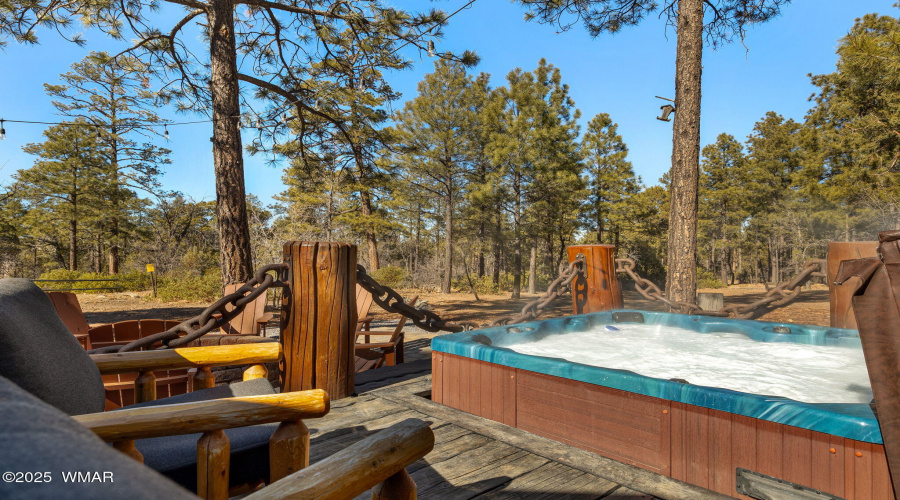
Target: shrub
column 391, row 276
column 706, row 279
column 134, row 281
column 206, row 288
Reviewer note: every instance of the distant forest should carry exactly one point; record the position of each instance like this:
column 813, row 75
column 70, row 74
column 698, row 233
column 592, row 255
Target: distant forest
column 475, row 179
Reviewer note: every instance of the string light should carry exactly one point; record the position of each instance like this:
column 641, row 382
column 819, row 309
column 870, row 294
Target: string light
column 2, row 130
column 430, row 48
column 166, row 131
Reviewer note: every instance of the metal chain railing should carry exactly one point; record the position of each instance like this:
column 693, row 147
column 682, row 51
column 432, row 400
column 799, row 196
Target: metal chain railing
column 391, row 301
column 560, row 286
column 213, row 317
column 780, row 295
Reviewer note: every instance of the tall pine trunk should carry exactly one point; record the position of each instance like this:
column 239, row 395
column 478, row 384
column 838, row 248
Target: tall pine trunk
column 532, row 268
column 371, row 240
column 231, row 203
column 497, row 248
column 681, row 280
column 448, row 243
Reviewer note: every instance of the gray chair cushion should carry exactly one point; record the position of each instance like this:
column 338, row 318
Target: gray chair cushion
column 39, row 354
column 35, row 437
column 176, row 456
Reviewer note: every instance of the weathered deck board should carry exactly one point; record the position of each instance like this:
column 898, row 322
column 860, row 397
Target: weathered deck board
column 478, row 458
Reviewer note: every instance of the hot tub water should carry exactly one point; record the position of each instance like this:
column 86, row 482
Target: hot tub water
column 808, row 373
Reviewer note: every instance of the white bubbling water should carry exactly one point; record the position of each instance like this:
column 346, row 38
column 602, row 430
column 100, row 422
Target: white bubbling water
column 813, row 374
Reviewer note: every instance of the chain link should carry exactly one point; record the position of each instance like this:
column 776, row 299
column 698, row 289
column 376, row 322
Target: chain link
column 560, row 286
column 388, row 299
column 213, row 317
column 781, row 295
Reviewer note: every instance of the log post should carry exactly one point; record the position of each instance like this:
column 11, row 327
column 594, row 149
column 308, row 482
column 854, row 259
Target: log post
column 400, row 486
column 145, row 387
column 600, row 289
column 127, row 447
column 288, row 450
column 213, row 460
column 840, row 296
column 318, row 315
column 204, row 379
column 255, row 371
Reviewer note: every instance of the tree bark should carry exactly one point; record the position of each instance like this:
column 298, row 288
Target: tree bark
column 448, row 244
column 231, row 202
column 496, row 270
column 371, row 239
column 532, row 268
column 681, row 280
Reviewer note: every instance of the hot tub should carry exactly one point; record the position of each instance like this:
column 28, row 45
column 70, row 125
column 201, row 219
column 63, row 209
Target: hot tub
column 694, row 433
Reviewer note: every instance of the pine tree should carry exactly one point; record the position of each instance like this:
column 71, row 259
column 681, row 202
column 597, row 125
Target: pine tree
column 110, row 95
column 728, row 18
column 66, row 186
column 271, row 46
column 611, row 178
column 722, row 192
column 432, row 134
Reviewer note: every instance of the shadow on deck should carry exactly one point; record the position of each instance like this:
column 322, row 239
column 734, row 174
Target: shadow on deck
column 478, row 458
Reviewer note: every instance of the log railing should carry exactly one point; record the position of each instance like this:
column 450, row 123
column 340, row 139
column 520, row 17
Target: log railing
column 288, row 449
column 201, row 358
column 378, row 461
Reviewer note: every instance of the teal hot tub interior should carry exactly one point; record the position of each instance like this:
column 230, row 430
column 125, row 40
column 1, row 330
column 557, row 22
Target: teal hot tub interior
column 853, row 421
column 674, row 428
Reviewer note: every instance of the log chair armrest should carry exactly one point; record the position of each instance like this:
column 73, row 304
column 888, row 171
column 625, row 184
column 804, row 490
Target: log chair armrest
column 205, row 416
column 380, row 345
column 357, row 468
column 265, row 318
column 187, row 357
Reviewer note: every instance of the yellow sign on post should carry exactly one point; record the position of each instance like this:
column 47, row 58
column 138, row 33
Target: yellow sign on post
column 150, row 268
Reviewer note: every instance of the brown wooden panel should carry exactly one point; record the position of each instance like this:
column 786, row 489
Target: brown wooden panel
column 827, row 468
column 102, row 335
column 566, row 410
column 126, row 331
column 769, row 448
column 797, row 455
column 696, row 444
column 504, row 382
column 881, row 477
column 602, row 286
column 485, row 394
column 464, row 374
column 678, row 469
column 451, row 380
column 437, row 379
column 721, row 475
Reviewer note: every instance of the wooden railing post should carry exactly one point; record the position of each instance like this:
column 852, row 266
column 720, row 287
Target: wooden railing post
column 127, row 447
column 600, row 289
column 318, row 315
column 840, row 296
column 288, row 450
column 400, row 486
column 204, row 379
column 213, row 460
column 255, row 371
column 145, row 387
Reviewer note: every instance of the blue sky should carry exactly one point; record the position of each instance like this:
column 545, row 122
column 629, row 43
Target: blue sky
column 616, row 74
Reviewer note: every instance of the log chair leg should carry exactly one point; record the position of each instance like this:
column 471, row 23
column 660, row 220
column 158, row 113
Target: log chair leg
column 204, row 379
column 255, row 371
column 145, row 387
column 400, row 486
column 127, row 447
column 288, row 450
column 213, row 461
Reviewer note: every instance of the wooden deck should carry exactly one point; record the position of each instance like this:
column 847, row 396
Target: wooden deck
column 478, row 458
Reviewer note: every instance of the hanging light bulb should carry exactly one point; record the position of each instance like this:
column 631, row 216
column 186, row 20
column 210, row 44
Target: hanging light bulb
column 2, row 130
column 166, row 131
column 284, row 118
column 430, row 48
column 99, row 136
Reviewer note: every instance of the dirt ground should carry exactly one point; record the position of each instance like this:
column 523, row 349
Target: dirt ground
column 810, row 308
